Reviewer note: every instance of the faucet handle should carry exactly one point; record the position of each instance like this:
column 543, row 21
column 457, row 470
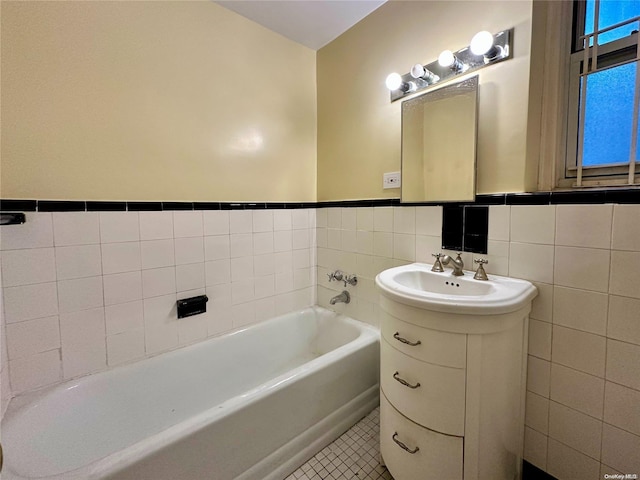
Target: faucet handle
column 350, row 279
column 337, row 275
column 480, row 273
column 437, row 265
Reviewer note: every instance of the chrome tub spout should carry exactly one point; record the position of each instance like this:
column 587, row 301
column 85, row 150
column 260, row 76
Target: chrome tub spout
column 344, row 297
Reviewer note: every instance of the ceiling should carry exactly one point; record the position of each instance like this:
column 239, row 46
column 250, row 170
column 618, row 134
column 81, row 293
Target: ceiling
column 313, row 23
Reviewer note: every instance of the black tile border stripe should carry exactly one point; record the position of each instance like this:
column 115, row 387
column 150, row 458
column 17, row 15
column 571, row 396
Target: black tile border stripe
column 106, row 206
column 61, row 206
column 144, row 206
column 594, row 197
column 177, row 205
column 18, row 205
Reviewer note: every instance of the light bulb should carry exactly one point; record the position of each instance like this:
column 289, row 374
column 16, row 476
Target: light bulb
column 418, row 71
column 481, row 43
column 446, row 58
column 394, row 81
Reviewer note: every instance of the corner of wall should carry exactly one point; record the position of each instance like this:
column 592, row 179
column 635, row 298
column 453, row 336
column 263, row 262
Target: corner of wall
column 536, row 90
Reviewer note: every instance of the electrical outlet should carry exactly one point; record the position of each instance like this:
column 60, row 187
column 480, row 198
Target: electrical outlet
column 391, row 180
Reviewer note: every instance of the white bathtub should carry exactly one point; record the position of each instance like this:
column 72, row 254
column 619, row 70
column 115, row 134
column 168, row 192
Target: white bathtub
column 252, row 404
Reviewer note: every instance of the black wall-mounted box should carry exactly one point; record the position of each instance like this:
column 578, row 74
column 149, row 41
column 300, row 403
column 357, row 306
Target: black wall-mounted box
column 192, row 306
column 7, row 218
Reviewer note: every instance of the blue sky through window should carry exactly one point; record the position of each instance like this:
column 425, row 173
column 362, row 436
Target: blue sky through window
column 610, row 92
column 612, row 12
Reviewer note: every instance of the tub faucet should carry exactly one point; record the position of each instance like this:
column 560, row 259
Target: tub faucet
column 457, row 264
column 344, row 297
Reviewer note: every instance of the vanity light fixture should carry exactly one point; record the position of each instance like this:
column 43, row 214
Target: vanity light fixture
column 485, row 49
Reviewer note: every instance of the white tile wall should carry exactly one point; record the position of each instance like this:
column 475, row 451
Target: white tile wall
column 576, row 430
column 500, row 223
column 5, row 387
column 584, row 325
column 19, row 304
column 583, row 396
column 119, row 227
column 157, row 253
column 623, row 319
column 83, row 344
column 537, row 413
column 120, row 257
column 623, row 363
column 78, row 261
column 622, row 407
column 535, row 448
column 620, row 449
column 124, row 317
column 626, row 228
column 188, row 224
column 579, row 350
column 533, row 224
column 156, row 225
column 125, row 347
column 540, row 339
column 25, row 267
column 32, row 337
column 86, row 291
column 578, row 390
column 580, row 309
column 122, row 288
column 74, row 228
column 189, row 250
column 566, row 463
column 584, row 225
column 216, row 222
column 625, row 273
column 585, row 268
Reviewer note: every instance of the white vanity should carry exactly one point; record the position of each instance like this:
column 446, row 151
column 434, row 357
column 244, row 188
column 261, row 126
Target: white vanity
column 453, row 374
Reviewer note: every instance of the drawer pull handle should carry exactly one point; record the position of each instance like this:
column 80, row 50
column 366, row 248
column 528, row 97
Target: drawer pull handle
column 404, row 382
column 403, row 446
column 405, row 341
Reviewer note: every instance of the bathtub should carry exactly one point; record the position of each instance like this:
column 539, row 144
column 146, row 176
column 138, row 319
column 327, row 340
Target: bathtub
column 251, row 404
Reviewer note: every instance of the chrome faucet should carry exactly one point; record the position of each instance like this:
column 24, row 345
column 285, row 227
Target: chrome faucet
column 457, row 264
column 344, row 297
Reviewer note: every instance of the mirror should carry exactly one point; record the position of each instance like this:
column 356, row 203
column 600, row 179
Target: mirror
column 439, row 144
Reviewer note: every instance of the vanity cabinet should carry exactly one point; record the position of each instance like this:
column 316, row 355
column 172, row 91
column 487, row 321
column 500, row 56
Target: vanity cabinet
column 452, row 392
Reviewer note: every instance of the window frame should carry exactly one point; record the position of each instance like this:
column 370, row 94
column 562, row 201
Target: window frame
column 617, row 52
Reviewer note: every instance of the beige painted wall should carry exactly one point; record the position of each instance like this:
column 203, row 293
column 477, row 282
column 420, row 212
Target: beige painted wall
column 153, row 101
column 359, row 130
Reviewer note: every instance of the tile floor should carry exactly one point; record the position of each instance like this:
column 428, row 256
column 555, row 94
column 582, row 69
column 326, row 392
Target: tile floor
column 354, row 455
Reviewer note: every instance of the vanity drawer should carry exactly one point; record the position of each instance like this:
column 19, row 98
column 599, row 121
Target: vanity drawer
column 437, row 403
column 437, row 457
column 441, row 348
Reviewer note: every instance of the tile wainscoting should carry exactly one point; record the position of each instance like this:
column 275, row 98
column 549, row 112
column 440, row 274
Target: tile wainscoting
column 583, row 390
column 87, row 290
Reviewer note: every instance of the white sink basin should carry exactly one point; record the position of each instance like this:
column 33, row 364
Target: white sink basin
column 418, row 286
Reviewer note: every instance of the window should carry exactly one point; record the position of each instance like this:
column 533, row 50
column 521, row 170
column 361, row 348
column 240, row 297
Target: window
column 604, row 93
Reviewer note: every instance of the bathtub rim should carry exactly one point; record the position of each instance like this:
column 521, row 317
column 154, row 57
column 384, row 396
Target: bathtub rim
column 128, row 455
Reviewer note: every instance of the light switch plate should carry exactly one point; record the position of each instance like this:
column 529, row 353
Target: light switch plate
column 391, row 180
